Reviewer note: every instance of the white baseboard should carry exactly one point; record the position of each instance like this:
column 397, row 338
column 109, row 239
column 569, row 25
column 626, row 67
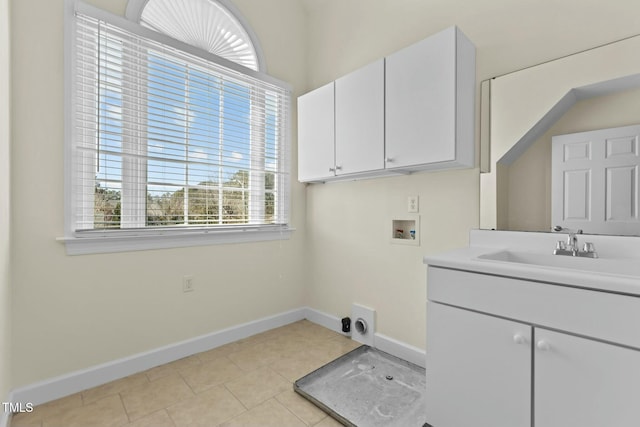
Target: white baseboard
column 329, row 321
column 55, row 388
column 399, row 349
column 381, row 342
column 74, row 382
column 4, row 417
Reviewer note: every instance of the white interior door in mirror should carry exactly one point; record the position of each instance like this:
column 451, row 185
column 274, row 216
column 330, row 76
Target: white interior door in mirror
column 595, row 180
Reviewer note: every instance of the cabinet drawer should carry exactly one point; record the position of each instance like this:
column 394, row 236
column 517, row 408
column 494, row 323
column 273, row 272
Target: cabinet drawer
column 601, row 315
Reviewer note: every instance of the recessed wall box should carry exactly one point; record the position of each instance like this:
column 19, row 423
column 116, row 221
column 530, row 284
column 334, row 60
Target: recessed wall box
column 406, row 230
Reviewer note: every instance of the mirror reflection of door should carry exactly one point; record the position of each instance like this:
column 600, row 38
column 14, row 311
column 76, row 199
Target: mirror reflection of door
column 594, row 184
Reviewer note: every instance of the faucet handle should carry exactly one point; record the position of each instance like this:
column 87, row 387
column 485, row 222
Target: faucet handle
column 589, row 247
column 561, row 245
column 559, row 228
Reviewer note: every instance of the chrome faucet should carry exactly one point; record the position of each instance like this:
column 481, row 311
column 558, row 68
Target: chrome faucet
column 571, row 247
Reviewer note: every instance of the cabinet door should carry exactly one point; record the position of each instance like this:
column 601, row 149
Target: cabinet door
column 316, row 133
column 586, row 383
column 360, row 120
column 421, row 102
column 478, row 369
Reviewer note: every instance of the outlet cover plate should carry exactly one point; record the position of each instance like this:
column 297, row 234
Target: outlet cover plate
column 412, row 204
column 187, row 284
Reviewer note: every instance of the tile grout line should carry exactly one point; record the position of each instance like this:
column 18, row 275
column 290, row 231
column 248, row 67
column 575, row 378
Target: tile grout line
column 240, row 401
column 293, row 413
column 289, row 410
column 187, row 383
column 124, row 408
column 170, row 417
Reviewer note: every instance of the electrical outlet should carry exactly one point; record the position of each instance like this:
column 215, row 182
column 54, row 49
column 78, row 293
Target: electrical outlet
column 412, row 204
column 187, row 284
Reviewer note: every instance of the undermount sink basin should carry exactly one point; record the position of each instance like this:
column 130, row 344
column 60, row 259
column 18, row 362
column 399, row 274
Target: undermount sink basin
column 617, row 267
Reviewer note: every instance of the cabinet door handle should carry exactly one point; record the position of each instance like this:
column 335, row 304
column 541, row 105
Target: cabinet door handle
column 332, row 169
column 543, row 345
column 519, row 339
column 389, row 160
column 338, row 168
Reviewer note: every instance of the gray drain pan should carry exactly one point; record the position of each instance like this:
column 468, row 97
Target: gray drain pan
column 368, row 388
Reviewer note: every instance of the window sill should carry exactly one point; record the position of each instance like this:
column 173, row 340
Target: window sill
column 111, row 242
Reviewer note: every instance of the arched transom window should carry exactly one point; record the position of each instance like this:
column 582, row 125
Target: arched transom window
column 206, row 24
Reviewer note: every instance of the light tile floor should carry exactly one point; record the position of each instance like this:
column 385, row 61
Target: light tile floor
column 245, row 383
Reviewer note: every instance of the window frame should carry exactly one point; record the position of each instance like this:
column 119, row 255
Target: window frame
column 118, row 240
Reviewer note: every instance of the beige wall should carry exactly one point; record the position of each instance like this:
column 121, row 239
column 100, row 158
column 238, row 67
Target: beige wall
column 74, row 312
column 529, row 178
column 5, row 283
column 348, row 223
column 352, row 259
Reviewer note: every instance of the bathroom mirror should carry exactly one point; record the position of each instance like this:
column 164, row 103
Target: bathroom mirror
column 521, row 111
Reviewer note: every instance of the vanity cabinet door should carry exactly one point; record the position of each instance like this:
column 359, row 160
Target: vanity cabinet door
column 586, row 383
column 316, row 134
column 478, row 369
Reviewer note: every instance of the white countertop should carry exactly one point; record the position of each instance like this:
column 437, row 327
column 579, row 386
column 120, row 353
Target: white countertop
column 613, row 250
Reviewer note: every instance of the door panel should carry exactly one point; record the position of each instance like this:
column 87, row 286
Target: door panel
column 585, row 383
column 478, row 369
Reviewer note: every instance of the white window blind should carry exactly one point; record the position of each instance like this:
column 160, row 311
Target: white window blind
column 166, row 138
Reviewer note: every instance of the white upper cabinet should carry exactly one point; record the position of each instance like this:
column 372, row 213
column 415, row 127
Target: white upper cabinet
column 360, row 120
column 316, row 134
column 411, row 111
column 430, row 90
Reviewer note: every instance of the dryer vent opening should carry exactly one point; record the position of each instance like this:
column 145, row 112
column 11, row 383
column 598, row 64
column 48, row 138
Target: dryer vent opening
column 363, row 327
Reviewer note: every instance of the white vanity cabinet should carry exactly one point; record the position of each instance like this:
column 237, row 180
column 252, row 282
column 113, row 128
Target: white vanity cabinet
column 430, row 92
column 510, row 352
